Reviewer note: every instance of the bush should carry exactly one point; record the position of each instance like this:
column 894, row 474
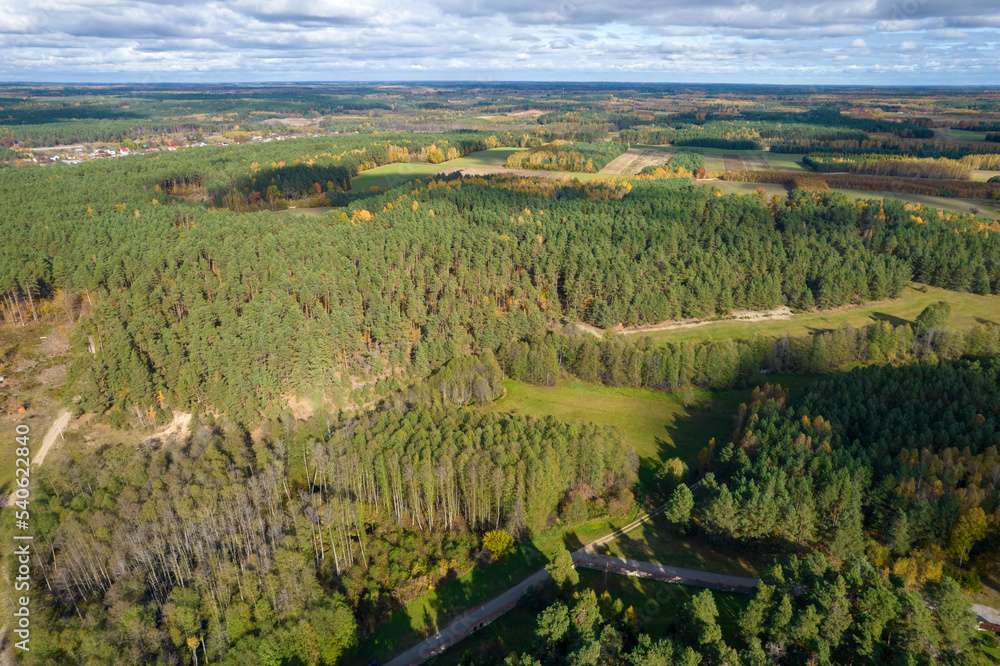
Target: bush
column 498, row 543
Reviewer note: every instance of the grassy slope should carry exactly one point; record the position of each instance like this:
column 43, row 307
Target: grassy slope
column 967, row 310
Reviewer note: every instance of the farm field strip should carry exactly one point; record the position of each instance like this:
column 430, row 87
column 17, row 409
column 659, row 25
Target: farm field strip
column 634, row 160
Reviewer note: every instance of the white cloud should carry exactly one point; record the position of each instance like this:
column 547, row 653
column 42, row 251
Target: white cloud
column 774, row 40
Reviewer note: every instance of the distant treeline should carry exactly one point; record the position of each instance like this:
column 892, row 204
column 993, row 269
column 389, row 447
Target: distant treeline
column 927, row 186
column 889, row 165
column 880, row 145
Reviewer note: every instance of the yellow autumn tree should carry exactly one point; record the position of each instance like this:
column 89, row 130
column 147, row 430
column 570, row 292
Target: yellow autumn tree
column 498, row 543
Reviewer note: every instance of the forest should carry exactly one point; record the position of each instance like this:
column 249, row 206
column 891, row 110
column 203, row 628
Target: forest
column 262, row 547
column 804, row 611
column 899, row 463
column 344, row 348
column 448, row 266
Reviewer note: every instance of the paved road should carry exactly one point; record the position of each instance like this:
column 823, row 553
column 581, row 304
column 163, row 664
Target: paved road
column 986, row 614
column 585, row 557
column 620, row 565
column 467, row 623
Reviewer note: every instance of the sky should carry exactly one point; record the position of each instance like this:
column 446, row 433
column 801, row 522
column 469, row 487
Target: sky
column 865, row 42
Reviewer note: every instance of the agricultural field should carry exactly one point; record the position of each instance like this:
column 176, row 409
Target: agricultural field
column 982, row 175
column 734, row 187
column 634, row 160
column 949, row 134
column 715, row 159
column 391, row 175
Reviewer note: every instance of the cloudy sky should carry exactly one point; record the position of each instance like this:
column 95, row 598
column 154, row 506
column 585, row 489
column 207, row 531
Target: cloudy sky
column 760, row 41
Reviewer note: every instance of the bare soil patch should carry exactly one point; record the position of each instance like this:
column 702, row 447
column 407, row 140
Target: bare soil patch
column 734, row 163
column 530, row 113
column 634, row 160
column 756, row 162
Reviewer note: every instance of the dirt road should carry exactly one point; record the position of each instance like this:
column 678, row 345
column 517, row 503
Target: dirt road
column 476, row 619
column 784, row 312
column 55, row 430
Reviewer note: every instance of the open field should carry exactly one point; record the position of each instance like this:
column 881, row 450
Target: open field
column 755, row 159
column 657, row 424
column 652, row 421
column 984, row 209
column 391, row 175
column 733, row 187
column 982, row 175
column 967, row 310
column 948, row 134
column 318, row 211
column 634, row 160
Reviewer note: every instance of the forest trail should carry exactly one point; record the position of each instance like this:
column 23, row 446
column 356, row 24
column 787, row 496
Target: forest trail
column 584, row 557
column 784, row 312
column 55, row 430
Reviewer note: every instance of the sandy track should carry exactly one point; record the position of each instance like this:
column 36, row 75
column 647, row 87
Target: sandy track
column 784, row 312
column 62, row 420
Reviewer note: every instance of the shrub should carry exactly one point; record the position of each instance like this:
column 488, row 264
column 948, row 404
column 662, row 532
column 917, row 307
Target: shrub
column 498, row 543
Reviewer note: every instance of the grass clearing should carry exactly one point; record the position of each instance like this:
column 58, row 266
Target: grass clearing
column 651, row 420
column 657, row 424
column 984, row 209
column 967, row 311
column 390, row 175
column 318, row 211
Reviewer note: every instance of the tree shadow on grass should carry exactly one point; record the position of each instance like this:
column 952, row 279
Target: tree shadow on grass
column 452, row 597
column 892, row 319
